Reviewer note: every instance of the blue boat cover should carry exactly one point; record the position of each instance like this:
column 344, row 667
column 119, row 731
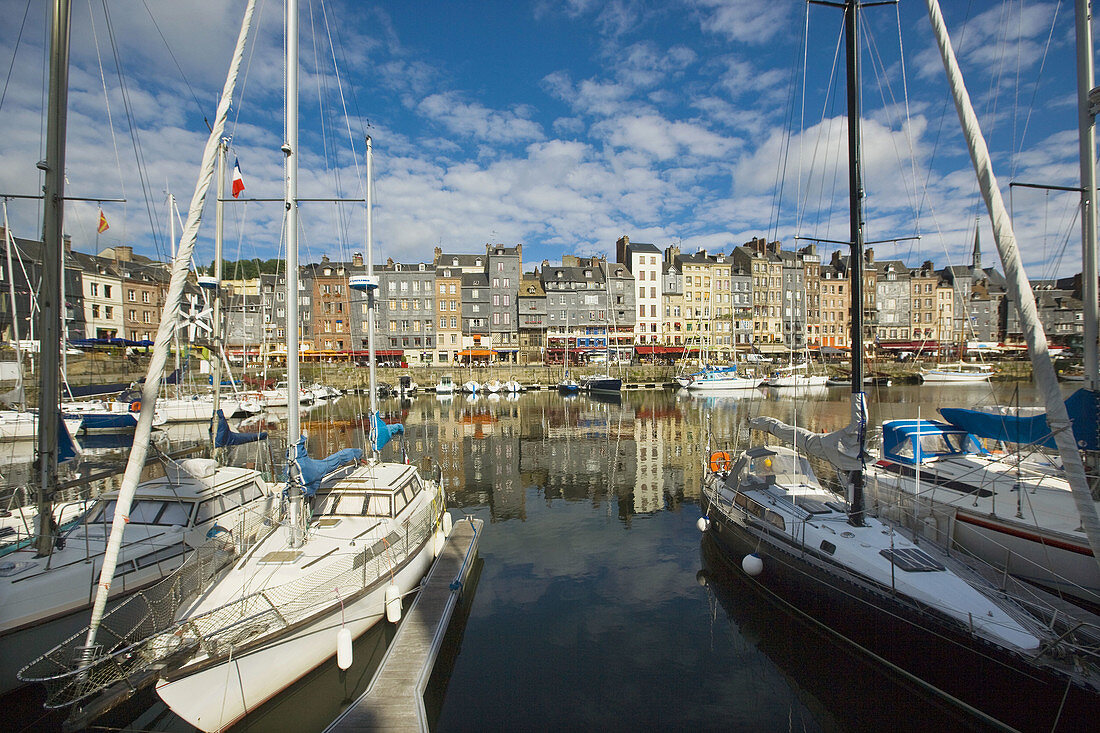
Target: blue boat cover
column 1032, row 429
column 911, row 441
column 384, row 433
column 314, row 469
column 223, row 436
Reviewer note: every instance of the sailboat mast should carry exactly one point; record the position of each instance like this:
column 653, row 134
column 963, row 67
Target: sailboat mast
column 371, row 287
column 855, row 268
column 290, row 151
column 52, row 228
column 1087, row 143
column 219, row 243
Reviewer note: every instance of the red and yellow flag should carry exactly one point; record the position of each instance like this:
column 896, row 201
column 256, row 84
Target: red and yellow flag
column 103, row 225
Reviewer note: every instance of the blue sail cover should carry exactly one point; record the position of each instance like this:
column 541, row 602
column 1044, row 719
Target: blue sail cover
column 384, row 433
column 1032, row 429
column 314, row 469
column 224, row 437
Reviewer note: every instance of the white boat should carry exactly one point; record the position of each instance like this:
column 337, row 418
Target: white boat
column 493, row 386
column 445, row 385
column 796, row 375
column 722, row 378
column 994, row 506
column 303, row 581
column 48, row 588
column 45, row 600
column 471, row 387
column 23, row 425
column 959, row 373
column 513, row 387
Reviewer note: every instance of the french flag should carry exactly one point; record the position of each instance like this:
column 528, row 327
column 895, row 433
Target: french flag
column 238, row 179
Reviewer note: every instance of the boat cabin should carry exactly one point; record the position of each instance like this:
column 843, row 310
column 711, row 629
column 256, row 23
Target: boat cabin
column 381, row 491
column 914, row 442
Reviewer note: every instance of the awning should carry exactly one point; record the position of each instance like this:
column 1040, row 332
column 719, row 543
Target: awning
column 772, row 348
column 476, row 352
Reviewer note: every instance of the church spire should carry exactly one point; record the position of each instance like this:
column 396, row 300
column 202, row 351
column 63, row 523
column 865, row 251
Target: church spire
column 976, row 258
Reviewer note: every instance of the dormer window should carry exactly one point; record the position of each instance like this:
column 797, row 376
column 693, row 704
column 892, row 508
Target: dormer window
column 454, row 263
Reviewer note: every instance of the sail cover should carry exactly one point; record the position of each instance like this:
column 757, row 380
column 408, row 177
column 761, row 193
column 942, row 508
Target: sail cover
column 840, row 447
column 224, row 437
column 1031, row 429
column 385, row 432
column 314, row 469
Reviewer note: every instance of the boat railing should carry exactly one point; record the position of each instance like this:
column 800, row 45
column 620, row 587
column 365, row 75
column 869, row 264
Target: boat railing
column 157, row 641
column 73, row 672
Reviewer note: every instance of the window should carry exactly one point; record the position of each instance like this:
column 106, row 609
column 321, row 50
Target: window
column 146, row 317
column 93, row 289
column 131, row 315
column 95, row 311
column 108, row 312
column 106, row 291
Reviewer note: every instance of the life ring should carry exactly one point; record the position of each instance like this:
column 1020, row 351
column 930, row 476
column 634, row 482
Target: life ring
column 135, row 406
column 720, row 461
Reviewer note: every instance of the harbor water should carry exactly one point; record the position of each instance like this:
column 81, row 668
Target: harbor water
column 596, row 604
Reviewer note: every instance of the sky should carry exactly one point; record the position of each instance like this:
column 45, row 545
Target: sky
column 560, row 125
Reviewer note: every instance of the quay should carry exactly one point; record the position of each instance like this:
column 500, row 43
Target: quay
column 394, row 700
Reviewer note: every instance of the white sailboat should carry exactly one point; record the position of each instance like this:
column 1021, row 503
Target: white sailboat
column 858, row 575
column 282, row 610
column 1036, row 523
column 47, row 589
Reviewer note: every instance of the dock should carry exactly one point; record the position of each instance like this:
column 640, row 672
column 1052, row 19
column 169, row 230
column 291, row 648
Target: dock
column 394, row 700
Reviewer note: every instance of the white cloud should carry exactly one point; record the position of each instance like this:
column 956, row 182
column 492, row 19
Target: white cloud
column 479, row 122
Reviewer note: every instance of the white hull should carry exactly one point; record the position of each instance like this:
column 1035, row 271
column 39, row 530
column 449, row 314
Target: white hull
column 218, row 696
column 798, row 381
column 15, row 425
column 953, row 377
column 732, row 383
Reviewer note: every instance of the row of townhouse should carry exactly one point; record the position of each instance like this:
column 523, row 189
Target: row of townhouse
column 110, row 295
column 648, row 302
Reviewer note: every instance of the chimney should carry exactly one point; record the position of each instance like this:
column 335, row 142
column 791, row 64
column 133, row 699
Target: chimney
column 620, row 248
column 67, row 243
column 324, row 259
column 869, row 256
column 438, row 254
column 123, row 254
column 389, row 261
column 357, row 259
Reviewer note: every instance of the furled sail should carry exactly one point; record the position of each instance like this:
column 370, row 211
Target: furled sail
column 840, row 447
column 314, row 469
column 1082, row 407
column 224, row 437
column 384, row 432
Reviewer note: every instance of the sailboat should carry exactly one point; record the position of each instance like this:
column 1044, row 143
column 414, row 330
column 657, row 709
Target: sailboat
column 356, row 539
column 46, row 590
column 567, row 385
column 1031, row 521
column 864, row 578
column 606, row 383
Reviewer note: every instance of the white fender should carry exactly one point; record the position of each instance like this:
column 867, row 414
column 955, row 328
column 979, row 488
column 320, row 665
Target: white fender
column 393, row 603
column 447, row 524
column 343, row 648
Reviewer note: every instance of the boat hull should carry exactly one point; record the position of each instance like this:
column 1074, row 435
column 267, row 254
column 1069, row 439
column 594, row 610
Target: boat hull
column 856, row 613
column 954, row 377
column 215, row 696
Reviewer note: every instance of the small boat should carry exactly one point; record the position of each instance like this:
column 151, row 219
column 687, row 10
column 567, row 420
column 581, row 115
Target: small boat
column 796, row 375
column 493, row 386
column 722, row 378
column 513, row 387
column 568, row 386
column 603, row 383
column 958, row 373
column 471, row 387
column 445, row 385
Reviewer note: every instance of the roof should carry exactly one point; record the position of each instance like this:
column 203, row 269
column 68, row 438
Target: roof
column 642, row 248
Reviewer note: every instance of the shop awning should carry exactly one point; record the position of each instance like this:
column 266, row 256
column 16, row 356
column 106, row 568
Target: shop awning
column 476, row 352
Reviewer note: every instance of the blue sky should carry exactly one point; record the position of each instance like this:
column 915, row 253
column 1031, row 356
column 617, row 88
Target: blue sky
column 558, row 125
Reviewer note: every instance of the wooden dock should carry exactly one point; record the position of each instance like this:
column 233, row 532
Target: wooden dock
column 394, row 700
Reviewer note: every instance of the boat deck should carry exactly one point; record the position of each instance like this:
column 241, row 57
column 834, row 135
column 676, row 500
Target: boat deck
column 394, row 701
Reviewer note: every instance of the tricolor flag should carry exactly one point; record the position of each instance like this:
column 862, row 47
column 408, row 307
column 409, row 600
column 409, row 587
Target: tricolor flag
column 103, row 225
column 238, row 179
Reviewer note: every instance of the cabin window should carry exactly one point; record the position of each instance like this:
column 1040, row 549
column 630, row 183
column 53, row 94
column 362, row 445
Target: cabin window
column 399, row 501
column 378, row 505
column 935, row 445
column 776, row 520
column 828, row 547
column 148, row 512
column 218, row 505
column 349, row 505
